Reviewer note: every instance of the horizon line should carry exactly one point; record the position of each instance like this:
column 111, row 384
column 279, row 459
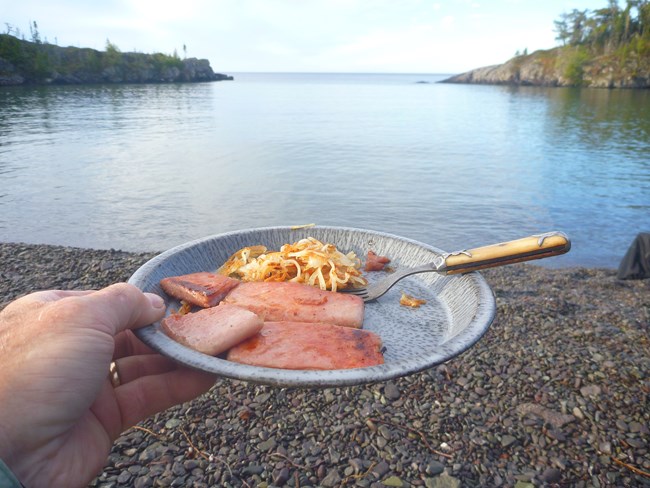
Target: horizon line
column 422, row 73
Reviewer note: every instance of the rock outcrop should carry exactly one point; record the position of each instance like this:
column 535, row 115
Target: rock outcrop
column 24, row 62
column 563, row 67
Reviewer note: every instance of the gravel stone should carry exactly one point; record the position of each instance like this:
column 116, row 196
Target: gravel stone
column 385, row 432
column 508, row 440
column 178, row 469
column 281, row 477
column 380, row 469
column 524, row 484
column 393, row 481
column 172, row 423
column 556, row 419
column 143, row 482
column 434, row 467
column 391, row 392
column 564, row 371
column 590, row 391
column 577, row 413
column 551, row 475
column 635, row 427
column 621, row 425
column 267, row 445
column 333, row 478
column 124, row 477
column 253, row 469
column 638, row 443
column 446, row 481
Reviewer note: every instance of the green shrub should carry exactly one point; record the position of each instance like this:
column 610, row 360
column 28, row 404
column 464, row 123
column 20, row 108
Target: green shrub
column 163, row 61
column 574, row 70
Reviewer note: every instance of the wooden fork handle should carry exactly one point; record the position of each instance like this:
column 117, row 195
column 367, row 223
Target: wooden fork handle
column 526, row 249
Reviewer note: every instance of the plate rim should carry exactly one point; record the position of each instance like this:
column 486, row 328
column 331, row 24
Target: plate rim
column 153, row 337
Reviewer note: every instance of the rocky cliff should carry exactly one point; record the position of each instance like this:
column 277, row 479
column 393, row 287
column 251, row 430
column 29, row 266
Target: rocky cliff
column 24, row 62
column 565, row 66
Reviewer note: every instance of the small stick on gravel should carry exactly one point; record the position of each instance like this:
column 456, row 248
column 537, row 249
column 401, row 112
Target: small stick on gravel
column 287, row 459
column 631, row 468
column 193, row 447
column 357, row 476
column 204, row 455
column 144, row 429
column 415, row 431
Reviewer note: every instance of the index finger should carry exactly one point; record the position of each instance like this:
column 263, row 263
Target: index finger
column 151, row 394
column 46, row 296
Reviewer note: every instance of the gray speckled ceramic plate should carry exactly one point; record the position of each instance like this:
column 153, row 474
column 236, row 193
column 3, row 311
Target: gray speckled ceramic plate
column 458, row 311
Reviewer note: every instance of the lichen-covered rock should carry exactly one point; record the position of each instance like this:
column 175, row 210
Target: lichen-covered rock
column 562, row 67
column 8, row 75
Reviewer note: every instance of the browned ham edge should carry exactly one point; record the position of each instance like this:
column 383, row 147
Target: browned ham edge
column 202, row 289
column 309, row 346
column 295, row 302
column 212, row 330
column 375, row 262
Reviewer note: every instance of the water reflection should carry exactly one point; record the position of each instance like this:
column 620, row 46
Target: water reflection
column 146, row 167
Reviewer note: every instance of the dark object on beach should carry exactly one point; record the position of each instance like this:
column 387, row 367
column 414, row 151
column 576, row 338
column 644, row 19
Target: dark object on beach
column 635, row 265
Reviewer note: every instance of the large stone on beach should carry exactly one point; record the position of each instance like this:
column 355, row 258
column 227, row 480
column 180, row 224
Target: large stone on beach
column 590, row 391
column 443, row 481
column 556, row 419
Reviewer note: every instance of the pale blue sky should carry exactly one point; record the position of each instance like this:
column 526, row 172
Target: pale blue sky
column 374, row 36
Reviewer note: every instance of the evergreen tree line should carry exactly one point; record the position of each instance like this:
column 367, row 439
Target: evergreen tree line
column 36, row 60
column 608, row 29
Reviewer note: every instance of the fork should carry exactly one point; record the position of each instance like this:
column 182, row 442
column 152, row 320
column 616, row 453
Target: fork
column 537, row 246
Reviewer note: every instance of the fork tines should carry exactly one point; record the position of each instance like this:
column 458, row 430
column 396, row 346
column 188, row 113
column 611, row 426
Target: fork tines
column 360, row 292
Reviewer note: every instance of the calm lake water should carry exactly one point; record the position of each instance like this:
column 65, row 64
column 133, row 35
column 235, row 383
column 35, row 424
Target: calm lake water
column 148, row 167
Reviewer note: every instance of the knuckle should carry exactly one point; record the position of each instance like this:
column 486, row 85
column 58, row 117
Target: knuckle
column 122, row 291
column 123, row 295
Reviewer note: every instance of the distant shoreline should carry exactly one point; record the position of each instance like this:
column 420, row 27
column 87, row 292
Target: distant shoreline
column 553, row 68
column 34, row 63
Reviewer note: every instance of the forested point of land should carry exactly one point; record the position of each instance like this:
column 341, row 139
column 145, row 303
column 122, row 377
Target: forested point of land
column 37, row 62
column 607, row 48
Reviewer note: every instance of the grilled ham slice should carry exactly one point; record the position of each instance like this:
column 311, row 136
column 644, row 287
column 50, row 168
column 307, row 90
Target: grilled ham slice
column 202, row 289
column 295, row 302
column 212, row 330
column 307, row 345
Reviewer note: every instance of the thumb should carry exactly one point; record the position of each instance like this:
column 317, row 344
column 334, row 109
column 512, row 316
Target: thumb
column 123, row 306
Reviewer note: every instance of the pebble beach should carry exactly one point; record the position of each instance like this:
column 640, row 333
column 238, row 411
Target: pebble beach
column 555, row 394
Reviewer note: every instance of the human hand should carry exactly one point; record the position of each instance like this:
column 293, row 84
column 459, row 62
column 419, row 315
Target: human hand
column 59, row 412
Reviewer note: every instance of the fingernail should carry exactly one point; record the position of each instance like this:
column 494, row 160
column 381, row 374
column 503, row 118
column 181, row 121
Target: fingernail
column 156, row 301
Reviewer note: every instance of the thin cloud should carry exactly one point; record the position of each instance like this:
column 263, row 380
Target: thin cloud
column 314, row 35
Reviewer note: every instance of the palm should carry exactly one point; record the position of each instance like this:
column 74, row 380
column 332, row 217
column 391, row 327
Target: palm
column 77, row 439
column 81, row 453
